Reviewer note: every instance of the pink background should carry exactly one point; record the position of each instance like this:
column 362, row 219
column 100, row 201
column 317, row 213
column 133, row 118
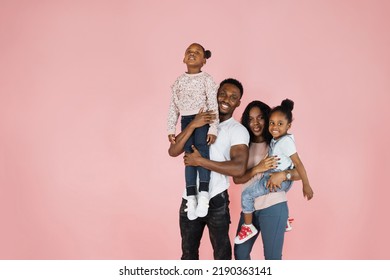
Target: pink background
column 84, row 93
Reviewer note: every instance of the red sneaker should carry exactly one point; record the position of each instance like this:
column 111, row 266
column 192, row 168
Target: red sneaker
column 246, row 233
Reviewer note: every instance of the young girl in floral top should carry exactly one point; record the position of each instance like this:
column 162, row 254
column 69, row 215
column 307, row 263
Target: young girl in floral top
column 194, row 91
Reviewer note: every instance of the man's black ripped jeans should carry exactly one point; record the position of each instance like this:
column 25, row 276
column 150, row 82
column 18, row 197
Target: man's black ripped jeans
column 217, row 221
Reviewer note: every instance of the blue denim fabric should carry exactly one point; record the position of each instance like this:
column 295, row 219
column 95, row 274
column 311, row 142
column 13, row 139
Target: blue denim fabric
column 217, row 222
column 199, row 140
column 259, row 188
column 271, row 223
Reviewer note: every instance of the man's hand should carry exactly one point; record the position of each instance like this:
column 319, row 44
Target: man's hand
column 211, row 139
column 192, row 159
column 203, row 118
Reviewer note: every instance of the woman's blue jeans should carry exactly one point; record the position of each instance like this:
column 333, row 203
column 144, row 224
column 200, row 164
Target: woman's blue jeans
column 271, row 223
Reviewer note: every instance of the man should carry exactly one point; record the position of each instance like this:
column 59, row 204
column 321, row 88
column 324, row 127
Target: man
column 228, row 157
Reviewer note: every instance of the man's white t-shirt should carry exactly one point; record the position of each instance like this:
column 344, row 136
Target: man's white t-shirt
column 230, row 133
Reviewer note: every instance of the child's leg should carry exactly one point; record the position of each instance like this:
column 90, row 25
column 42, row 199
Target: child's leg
column 248, row 218
column 247, row 230
column 190, row 173
column 200, row 142
column 190, row 176
column 256, row 189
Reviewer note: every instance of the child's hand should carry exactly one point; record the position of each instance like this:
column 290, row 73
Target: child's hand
column 211, row 139
column 172, row 138
column 308, row 192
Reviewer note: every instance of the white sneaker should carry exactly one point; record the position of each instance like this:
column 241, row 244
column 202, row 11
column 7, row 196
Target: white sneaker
column 203, row 204
column 246, row 233
column 191, row 208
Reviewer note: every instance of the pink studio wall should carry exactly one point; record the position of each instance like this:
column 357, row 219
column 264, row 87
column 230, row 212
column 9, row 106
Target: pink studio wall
column 84, row 92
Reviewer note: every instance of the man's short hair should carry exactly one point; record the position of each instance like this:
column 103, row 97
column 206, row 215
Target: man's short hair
column 233, row 82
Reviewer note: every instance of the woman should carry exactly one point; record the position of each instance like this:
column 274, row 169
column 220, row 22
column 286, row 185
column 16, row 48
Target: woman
column 271, row 212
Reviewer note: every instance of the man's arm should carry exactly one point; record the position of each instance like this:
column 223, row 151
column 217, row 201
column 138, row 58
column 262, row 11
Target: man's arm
column 202, row 118
column 236, row 166
column 177, row 147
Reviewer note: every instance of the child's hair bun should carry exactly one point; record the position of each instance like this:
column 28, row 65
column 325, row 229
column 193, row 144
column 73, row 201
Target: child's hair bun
column 287, row 104
column 207, row 54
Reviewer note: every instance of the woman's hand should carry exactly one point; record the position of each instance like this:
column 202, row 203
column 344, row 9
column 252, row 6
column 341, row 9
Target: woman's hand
column 266, row 164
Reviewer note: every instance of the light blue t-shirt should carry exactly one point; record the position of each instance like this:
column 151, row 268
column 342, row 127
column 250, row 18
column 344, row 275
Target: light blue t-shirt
column 283, row 147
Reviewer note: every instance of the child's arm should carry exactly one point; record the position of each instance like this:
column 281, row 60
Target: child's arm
column 172, row 138
column 173, row 114
column 307, row 190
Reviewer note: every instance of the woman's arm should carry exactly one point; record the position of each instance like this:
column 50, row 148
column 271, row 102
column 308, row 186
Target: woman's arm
column 265, row 164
